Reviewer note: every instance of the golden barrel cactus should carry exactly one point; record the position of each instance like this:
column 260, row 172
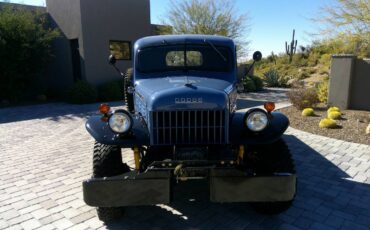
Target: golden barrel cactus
column 335, row 115
column 328, row 123
column 308, row 112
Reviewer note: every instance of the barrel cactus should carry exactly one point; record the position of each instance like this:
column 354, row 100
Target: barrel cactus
column 308, row 112
column 327, row 123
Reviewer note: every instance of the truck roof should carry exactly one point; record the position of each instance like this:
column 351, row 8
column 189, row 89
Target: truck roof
column 181, row 39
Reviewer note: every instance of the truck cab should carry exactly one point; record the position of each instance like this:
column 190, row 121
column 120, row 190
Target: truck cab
column 185, row 88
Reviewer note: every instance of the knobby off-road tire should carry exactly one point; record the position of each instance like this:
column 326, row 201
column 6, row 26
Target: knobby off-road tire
column 107, row 162
column 269, row 159
column 129, row 97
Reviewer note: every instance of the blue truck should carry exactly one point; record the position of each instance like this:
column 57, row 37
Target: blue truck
column 182, row 124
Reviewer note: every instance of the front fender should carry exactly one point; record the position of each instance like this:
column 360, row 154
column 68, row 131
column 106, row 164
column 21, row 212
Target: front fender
column 240, row 134
column 101, row 132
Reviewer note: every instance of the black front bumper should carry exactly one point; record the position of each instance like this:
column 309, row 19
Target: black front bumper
column 155, row 187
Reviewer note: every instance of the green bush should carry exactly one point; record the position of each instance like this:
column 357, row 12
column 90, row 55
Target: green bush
column 25, row 51
column 322, row 91
column 257, row 82
column 273, row 79
column 312, row 71
column 82, row 93
column 299, row 61
column 42, row 98
column 325, row 59
column 111, row 91
column 313, row 59
column 303, row 75
column 303, row 97
column 249, row 85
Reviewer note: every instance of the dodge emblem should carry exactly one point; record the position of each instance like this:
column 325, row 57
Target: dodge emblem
column 188, row 100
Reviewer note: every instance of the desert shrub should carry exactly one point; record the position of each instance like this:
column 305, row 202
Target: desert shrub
column 41, row 98
column 303, row 75
column 324, row 72
column 257, row 82
column 249, row 85
column 81, row 93
column 25, row 51
column 273, row 79
column 312, row 71
column 303, row 97
column 327, row 123
column 325, row 59
column 335, row 115
column 111, row 91
column 308, row 112
column 322, row 91
column 313, row 59
column 299, row 61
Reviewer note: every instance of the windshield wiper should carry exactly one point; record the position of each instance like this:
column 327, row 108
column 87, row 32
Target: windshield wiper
column 216, row 50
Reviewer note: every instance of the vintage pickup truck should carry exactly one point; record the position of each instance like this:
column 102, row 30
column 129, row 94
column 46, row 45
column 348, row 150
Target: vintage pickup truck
column 182, row 124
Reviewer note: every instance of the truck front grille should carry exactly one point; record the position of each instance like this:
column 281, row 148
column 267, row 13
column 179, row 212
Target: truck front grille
column 188, row 127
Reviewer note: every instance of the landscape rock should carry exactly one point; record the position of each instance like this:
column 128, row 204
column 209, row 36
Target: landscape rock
column 368, row 130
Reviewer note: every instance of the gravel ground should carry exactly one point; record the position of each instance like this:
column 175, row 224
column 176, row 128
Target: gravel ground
column 351, row 128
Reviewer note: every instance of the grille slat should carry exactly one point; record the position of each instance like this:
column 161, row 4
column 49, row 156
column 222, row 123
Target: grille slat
column 188, row 127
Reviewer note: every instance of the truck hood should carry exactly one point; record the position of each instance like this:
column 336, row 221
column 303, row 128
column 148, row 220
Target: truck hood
column 183, row 93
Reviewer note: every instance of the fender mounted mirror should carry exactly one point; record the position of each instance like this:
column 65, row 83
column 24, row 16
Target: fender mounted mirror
column 112, row 59
column 257, row 56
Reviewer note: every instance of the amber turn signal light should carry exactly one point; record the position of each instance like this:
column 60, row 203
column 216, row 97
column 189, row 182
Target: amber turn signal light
column 269, row 106
column 104, row 108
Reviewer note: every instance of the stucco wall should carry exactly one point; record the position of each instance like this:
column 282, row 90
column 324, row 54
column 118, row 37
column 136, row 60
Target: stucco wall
column 66, row 16
column 350, row 82
column 340, row 80
column 360, row 85
column 102, row 21
column 94, row 23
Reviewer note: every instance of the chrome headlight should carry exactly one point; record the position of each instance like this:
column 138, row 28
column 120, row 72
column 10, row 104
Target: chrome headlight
column 120, row 121
column 257, row 120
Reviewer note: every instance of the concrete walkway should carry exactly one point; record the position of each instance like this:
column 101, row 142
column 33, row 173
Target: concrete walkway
column 45, row 153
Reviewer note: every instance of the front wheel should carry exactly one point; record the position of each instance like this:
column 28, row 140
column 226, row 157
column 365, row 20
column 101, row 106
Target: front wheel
column 129, row 97
column 107, row 162
column 266, row 160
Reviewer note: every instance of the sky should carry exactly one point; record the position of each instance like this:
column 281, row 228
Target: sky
column 271, row 21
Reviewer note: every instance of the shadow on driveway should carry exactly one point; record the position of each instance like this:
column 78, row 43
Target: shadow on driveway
column 52, row 111
column 248, row 100
column 326, row 197
column 57, row 111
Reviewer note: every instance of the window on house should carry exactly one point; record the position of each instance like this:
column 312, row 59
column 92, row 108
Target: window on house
column 120, row 49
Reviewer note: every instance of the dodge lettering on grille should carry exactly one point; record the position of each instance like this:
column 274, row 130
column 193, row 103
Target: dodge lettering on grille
column 188, row 100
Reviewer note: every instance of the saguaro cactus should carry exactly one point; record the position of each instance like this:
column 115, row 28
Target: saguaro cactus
column 291, row 49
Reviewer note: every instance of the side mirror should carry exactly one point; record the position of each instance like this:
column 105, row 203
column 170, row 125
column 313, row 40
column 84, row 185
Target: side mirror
column 257, row 56
column 112, row 59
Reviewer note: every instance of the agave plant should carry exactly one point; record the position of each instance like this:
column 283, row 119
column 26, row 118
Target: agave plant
column 273, row 79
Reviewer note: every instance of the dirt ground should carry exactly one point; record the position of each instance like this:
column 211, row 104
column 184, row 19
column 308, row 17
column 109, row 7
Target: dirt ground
column 351, row 127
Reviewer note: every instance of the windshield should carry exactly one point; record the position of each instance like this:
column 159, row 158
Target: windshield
column 184, row 58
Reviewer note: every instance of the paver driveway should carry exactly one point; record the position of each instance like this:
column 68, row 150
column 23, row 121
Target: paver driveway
column 45, row 153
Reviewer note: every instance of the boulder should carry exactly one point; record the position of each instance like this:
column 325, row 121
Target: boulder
column 368, row 130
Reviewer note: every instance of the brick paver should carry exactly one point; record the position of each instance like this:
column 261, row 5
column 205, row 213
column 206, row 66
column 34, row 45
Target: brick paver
column 45, row 153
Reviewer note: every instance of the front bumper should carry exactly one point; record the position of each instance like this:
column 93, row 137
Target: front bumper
column 156, row 187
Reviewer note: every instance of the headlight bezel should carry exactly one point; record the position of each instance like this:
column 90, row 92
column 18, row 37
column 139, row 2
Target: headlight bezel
column 127, row 114
column 249, row 113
